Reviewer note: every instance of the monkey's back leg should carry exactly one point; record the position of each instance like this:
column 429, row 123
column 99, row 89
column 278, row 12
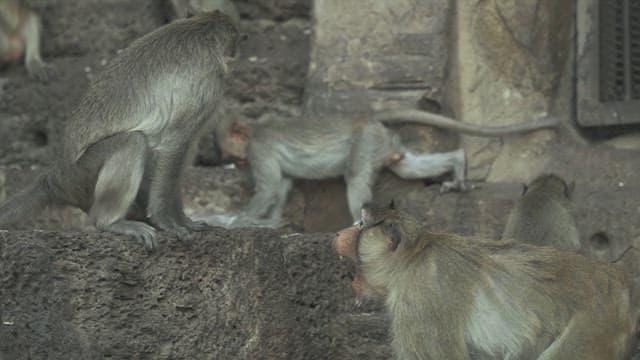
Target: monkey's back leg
column 587, row 338
column 369, row 150
column 122, row 158
column 268, row 187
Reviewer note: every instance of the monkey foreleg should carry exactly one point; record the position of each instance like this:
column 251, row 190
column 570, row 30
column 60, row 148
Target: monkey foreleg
column 422, row 166
column 165, row 202
column 36, row 67
column 269, row 183
column 283, row 192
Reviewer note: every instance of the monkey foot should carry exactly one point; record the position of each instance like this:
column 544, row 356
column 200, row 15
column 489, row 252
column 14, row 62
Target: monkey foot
column 139, row 230
column 197, row 225
column 456, row 185
column 41, row 71
column 181, row 228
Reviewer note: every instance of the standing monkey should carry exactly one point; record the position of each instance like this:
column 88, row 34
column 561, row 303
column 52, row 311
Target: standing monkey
column 185, row 8
column 454, row 298
column 125, row 145
column 356, row 149
column 541, row 216
column 20, row 37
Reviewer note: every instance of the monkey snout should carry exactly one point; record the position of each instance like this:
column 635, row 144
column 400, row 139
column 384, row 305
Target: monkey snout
column 344, row 243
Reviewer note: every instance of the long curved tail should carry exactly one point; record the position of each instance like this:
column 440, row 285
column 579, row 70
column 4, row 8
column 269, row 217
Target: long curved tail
column 427, row 118
column 28, row 202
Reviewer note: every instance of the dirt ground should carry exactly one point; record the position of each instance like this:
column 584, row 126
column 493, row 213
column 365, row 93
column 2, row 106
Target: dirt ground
column 68, row 292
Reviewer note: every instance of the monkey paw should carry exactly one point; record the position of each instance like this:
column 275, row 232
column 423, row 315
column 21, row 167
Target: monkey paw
column 456, row 185
column 197, row 225
column 41, row 71
column 138, row 230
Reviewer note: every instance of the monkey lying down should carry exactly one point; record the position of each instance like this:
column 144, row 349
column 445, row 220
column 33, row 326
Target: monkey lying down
column 451, row 297
column 354, row 148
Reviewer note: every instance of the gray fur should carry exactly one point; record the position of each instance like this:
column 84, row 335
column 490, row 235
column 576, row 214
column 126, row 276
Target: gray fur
column 125, row 145
column 357, row 150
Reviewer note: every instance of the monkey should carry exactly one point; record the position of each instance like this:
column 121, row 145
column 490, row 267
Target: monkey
column 541, row 216
column 20, row 37
column 126, row 143
column 454, row 297
column 186, row 8
column 354, row 148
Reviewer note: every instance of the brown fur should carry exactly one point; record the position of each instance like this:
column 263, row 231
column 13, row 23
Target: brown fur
column 452, row 297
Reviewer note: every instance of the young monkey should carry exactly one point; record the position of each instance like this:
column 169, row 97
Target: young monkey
column 451, row 297
column 354, row 148
column 20, row 37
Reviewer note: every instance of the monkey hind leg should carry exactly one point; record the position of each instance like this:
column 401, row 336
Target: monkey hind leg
column 424, row 166
column 28, row 202
column 589, row 339
column 117, row 185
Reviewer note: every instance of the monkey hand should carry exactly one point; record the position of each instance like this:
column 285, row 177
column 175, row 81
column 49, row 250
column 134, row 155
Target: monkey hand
column 197, row 226
column 180, row 225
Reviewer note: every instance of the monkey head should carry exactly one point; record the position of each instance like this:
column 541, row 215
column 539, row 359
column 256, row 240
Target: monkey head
column 381, row 236
column 345, row 244
column 551, row 182
column 224, row 32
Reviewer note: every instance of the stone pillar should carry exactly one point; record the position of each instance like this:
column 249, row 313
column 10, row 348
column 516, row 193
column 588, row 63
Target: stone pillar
column 370, row 55
column 510, row 65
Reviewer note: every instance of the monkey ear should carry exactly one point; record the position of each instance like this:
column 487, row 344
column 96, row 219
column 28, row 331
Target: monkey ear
column 393, row 235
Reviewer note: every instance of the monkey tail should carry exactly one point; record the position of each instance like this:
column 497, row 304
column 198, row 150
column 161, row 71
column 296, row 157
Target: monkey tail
column 30, row 201
column 427, row 118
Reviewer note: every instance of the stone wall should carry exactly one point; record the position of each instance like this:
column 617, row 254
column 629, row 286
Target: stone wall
column 489, row 62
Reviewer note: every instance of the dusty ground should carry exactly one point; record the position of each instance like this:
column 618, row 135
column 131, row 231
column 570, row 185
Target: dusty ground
column 242, row 294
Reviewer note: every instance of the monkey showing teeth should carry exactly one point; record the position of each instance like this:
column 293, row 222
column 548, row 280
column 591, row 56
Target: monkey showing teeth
column 451, row 297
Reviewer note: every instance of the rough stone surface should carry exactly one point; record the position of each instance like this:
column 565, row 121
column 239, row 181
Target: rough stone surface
column 508, row 67
column 238, row 295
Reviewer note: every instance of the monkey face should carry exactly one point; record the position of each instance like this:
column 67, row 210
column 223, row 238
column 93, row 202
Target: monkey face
column 345, row 242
